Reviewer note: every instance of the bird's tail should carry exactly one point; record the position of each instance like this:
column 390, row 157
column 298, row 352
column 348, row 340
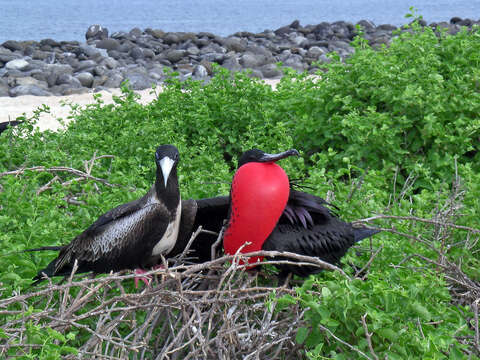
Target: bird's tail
column 361, row 233
column 45, row 248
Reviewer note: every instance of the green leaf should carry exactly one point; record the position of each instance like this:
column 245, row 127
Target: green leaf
column 302, row 334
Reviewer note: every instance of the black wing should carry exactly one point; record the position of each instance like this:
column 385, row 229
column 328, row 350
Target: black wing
column 5, row 125
column 210, row 213
column 122, row 238
column 329, row 242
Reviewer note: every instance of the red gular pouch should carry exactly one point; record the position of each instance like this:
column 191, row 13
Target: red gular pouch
column 259, row 194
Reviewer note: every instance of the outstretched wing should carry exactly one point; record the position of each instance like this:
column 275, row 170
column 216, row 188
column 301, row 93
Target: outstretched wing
column 122, row 238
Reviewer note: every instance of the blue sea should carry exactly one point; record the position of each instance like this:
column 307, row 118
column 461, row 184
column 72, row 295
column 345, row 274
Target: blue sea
column 69, row 19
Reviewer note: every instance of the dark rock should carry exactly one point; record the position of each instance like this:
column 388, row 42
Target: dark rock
column 138, row 80
column 344, row 45
column 214, row 57
column 232, row 64
column 254, row 73
column 101, row 80
column 28, row 51
column 186, row 36
column 28, row 81
column 99, row 70
column 136, row 32
column 208, row 66
column 284, row 30
column 75, row 91
column 271, row 71
column 250, row 60
column 114, row 54
column 235, row 44
column 96, row 32
column 343, row 30
column 387, row 27
column 185, row 69
column 68, row 80
column 28, row 90
column 175, row 55
column 295, row 24
column 59, row 69
column 149, row 54
column 90, row 51
column 192, row 50
column 40, row 55
column 323, row 31
column 455, row 20
column 298, row 40
column 119, row 35
column 315, row 52
column 465, row 22
column 202, row 42
column 136, row 53
column 158, row 34
column 113, row 81
column 85, row 65
column 108, row 44
column 295, row 62
column 13, row 45
column 200, row 72
column 50, row 43
column 85, row 78
column 171, row 38
column 109, row 62
column 126, row 46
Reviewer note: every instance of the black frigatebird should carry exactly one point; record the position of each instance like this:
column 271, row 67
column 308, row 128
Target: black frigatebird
column 6, row 124
column 266, row 212
column 132, row 235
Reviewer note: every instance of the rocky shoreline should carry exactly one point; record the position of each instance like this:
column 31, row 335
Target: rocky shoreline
column 105, row 60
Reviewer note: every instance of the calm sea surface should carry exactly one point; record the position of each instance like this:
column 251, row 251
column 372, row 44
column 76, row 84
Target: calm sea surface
column 69, row 19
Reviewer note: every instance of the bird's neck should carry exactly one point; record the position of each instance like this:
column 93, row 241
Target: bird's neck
column 170, row 194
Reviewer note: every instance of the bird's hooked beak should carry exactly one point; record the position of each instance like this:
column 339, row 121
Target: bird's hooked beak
column 166, row 164
column 275, row 157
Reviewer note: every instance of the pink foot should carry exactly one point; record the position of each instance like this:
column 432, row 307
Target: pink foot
column 145, row 278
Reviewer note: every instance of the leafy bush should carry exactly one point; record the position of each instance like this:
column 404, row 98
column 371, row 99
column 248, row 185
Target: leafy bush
column 387, row 132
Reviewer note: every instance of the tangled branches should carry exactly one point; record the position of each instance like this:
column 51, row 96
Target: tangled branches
column 213, row 310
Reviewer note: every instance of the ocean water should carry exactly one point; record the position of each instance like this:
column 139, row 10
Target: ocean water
column 69, row 19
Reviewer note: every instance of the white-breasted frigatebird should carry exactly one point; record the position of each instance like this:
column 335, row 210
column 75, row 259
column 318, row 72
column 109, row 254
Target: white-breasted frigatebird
column 266, row 212
column 132, row 235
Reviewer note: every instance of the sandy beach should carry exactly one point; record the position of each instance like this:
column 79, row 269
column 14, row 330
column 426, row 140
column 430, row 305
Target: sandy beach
column 12, row 107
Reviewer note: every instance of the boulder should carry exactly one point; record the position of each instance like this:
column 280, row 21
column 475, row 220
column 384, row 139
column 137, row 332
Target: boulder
column 17, row 64
column 13, row 45
column 138, row 80
column 28, row 90
column 96, row 32
column 85, row 78
column 108, row 44
column 175, row 55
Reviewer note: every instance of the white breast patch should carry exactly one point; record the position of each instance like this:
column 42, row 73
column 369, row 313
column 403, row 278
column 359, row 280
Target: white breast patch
column 167, row 242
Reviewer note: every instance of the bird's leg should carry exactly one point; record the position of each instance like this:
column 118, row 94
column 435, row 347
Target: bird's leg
column 139, row 275
column 284, row 278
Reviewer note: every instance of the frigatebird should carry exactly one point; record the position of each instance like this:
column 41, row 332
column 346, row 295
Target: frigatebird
column 266, row 212
column 6, row 124
column 132, row 235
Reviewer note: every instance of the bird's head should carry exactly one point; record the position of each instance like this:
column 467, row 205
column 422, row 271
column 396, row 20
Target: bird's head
column 166, row 158
column 256, row 155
